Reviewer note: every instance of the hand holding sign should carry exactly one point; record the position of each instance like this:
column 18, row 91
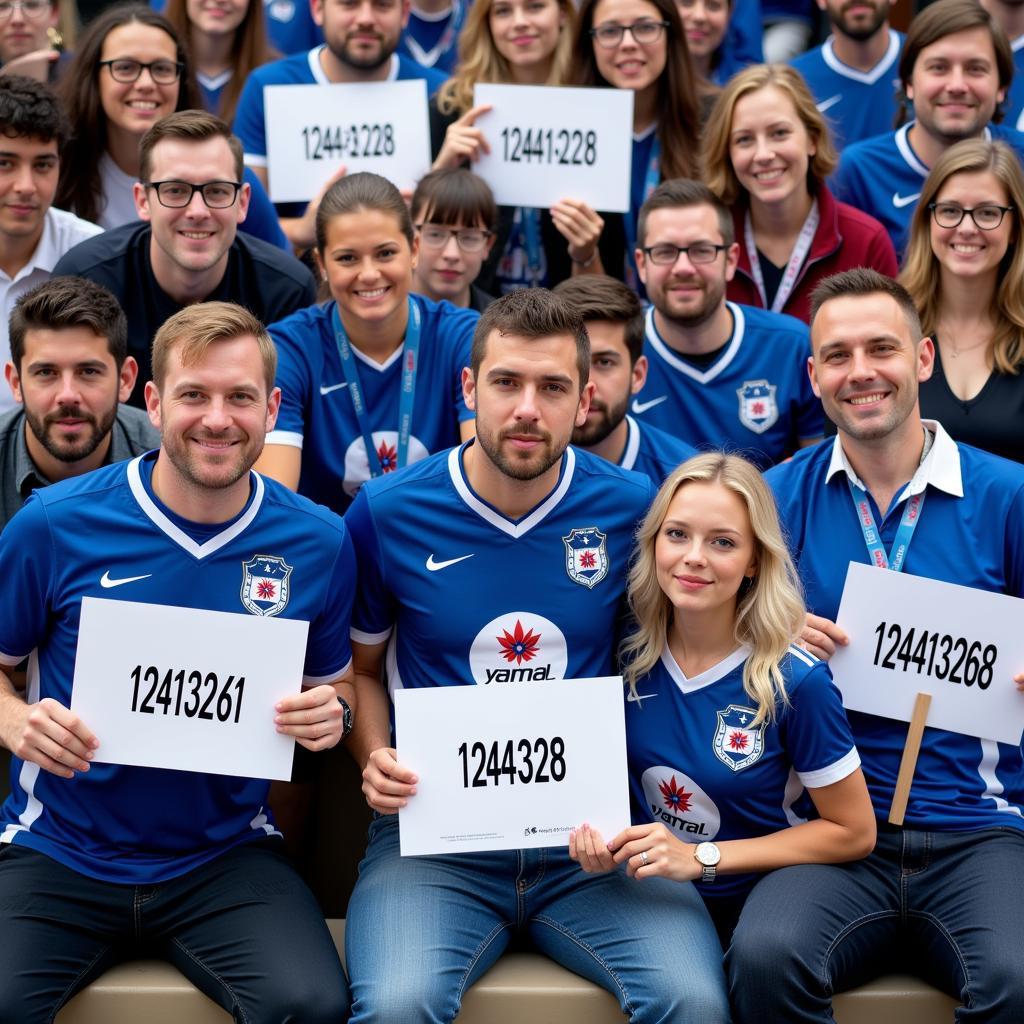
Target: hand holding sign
column 463, row 140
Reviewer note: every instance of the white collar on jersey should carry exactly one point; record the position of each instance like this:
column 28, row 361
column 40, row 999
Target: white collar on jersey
column 632, row 449
column 491, row 515
column 708, row 676
column 182, row 539
column 940, row 468
column 320, row 77
column 910, row 157
column 739, row 323
column 828, row 55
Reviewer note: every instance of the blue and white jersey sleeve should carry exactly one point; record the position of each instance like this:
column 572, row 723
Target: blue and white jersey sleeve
column 810, row 416
column 374, row 614
column 299, row 364
column 26, row 549
column 329, row 647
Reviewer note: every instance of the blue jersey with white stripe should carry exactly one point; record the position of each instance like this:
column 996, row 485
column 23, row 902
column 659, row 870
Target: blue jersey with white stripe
column 317, row 414
column 467, row 595
column 653, row 452
column 1015, row 99
column 432, row 40
column 755, row 399
column 698, row 764
column 136, row 825
column 971, row 532
column 857, row 104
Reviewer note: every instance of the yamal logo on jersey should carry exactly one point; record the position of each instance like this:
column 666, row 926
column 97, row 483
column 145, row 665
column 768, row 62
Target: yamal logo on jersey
column 737, row 744
column 265, row 584
column 674, row 799
column 758, row 408
column 586, row 556
column 518, row 647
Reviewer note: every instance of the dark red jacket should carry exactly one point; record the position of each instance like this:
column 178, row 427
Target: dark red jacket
column 845, row 238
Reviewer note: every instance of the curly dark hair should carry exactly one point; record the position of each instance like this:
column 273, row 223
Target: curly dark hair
column 29, row 108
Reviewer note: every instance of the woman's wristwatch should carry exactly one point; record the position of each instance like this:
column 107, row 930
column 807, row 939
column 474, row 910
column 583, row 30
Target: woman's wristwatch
column 707, row 856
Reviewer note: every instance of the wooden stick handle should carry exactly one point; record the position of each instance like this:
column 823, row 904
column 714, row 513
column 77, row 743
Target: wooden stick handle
column 909, row 760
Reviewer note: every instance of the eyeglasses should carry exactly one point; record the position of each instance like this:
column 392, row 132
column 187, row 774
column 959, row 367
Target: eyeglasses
column 30, row 8
column 986, row 218
column 665, row 254
column 471, row 240
column 643, row 32
column 124, row 69
column 218, row 195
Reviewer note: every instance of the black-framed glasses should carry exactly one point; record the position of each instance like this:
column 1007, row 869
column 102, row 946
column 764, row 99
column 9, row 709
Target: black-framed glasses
column 125, row 69
column 665, row 254
column 30, row 8
column 986, row 217
column 644, row 31
column 471, row 240
column 218, row 195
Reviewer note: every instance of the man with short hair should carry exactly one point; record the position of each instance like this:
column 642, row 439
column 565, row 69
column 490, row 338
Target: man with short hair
column 524, row 542
column 720, row 374
column 614, row 320
column 852, row 75
column 33, row 235
column 956, row 68
column 186, row 247
column 100, row 860
column 940, row 894
column 69, row 370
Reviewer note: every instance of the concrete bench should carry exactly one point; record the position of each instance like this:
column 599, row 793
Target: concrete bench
column 520, row 987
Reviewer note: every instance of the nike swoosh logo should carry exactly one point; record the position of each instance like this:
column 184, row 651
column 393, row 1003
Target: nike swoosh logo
column 830, row 102
column 641, row 407
column 900, row 201
column 639, row 697
column 433, row 566
column 332, row 387
column 106, row 582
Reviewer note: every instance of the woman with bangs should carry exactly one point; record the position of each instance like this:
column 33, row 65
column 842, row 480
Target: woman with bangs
column 723, row 707
column 965, row 271
column 767, row 153
column 516, row 42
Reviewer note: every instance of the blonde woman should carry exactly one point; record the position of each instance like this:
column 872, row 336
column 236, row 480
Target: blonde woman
column 965, row 272
column 723, row 708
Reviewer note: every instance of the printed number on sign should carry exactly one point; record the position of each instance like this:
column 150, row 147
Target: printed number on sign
column 553, row 146
column 193, row 694
column 528, row 761
column 953, row 659
column 362, row 140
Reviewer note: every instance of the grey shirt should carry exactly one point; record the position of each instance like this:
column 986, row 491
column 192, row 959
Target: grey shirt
column 131, row 435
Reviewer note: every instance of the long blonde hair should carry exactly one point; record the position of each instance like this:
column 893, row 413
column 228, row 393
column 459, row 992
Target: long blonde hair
column 480, row 61
column 769, row 613
column 921, row 274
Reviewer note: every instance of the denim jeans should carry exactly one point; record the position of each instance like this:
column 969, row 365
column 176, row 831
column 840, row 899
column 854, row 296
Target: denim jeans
column 421, row 930
column 947, row 906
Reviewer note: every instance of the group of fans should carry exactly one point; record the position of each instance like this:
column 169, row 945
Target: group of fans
column 501, row 445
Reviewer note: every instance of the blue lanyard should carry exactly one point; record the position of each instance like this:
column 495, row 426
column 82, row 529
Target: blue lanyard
column 407, row 397
column 873, row 539
column 530, row 220
column 651, row 180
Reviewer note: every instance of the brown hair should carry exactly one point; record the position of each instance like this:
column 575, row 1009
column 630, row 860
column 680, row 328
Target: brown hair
column 863, row 281
column 599, row 297
column 454, row 195
column 189, row 126
column 361, row 191
column 679, row 193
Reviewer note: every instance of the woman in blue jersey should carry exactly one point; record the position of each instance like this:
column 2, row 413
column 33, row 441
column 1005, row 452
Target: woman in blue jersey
column 723, row 710
column 370, row 379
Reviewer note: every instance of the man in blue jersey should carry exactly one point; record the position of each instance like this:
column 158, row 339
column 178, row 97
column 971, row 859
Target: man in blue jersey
column 941, row 895
column 852, row 75
column 99, row 861
column 614, row 320
column 956, row 68
column 719, row 374
column 503, row 558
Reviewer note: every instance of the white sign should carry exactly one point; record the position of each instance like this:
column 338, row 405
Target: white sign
column 312, row 130
column 512, row 765
column 167, row 687
column 549, row 144
column 911, row 635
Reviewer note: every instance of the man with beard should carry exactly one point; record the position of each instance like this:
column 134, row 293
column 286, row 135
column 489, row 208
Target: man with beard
column 503, row 562
column 614, row 320
column 719, row 374
column 852, row 75
column 69, row 369
column 360, row 40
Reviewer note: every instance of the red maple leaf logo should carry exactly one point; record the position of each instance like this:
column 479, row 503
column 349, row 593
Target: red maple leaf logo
column 675, row 796
column 519, row 646
column 588, row 560
column 738, row 740
column 266, row 590
column 757, row 408
column 388, row 456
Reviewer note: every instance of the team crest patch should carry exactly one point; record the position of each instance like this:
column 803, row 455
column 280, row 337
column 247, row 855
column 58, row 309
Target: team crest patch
column 758, row 408
column 586, row 556
column 736, row 743
column 265, row 585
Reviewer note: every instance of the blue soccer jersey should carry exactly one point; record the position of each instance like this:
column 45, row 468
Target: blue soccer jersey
column 431, row 40
column 142, row 825
column 883, row 177
column 970, row 532
column 317, row 414
column 1015, row 99
column 697, row 765
column 857, row 104
column 653, row 452
column 302, row 69
column 290, row 26
column 468, row 596
column 755, row 399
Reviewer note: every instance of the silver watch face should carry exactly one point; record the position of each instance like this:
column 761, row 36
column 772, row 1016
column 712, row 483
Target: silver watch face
column 708, row 854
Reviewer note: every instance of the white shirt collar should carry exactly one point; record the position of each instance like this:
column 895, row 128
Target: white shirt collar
column 320, row 76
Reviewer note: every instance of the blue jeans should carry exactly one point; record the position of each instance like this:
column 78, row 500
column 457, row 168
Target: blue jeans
column 947, row 906
column 421, row 930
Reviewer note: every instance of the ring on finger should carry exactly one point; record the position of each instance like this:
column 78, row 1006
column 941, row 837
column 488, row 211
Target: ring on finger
column 643, row 857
